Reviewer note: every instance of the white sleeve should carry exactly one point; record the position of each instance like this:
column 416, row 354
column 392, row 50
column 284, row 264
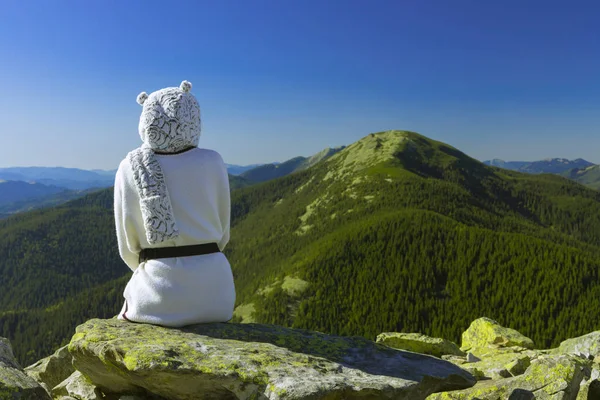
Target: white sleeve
column 127, row 239
column 224, row 204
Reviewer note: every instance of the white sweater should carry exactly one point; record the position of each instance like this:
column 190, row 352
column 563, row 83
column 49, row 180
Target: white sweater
column 183, row 290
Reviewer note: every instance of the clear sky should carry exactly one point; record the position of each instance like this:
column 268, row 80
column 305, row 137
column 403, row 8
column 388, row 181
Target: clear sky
column 511, row 79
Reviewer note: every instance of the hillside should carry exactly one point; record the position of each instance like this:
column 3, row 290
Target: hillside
column 588, row 176
column 268, row 172
column 395, row 232
column 237, row 182
column 34, row 199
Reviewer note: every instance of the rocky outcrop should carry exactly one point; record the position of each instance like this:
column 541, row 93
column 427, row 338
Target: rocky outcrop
column 14, row 383
column 485, row 333
column 253, row 361
column 118, row 360
column 52, row 370
column 508, row 367
column 585, row 346
column 556, row 377
column 78, row 387
column 419, row 343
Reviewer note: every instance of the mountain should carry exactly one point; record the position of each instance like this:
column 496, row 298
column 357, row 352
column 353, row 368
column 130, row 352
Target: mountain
column 277, row 170
column 394, row 233
column 14, row 191
column 547, row 166
column 237, row 182
column 512, row 165
column 69, row 178
column 41, row 201
column 111, row 173
column 588, row 176
column 238, row 169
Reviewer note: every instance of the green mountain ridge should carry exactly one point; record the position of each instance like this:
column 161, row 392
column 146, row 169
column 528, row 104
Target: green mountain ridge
column 45, row 200
column 396, row 232
column 589, row 176
column 268, row 172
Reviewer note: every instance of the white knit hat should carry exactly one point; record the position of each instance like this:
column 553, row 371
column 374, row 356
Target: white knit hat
column 170, row 120
column 170, row 123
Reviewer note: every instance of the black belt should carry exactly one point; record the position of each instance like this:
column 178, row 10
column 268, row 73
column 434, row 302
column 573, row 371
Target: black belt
column 178, row 251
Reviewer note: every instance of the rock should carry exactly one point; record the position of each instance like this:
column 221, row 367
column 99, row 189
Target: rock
column 587, row 346
column 590, row 389
column 419, row 343
column 519, row 365
column 556, row 377
column 52, row 370
column 14, row 383
column 485, row 332
column 521, row 394
column 78, row 386
column 471, row 358
column 243, row 361
column 495, row 367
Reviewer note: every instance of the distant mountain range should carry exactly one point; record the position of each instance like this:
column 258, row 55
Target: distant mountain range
column 67, row 178
column 547, row 166
column 18, row 196
column 239, row 169
column 277, row 170
column 14, row 191
column 578, row 170
column 28, row 188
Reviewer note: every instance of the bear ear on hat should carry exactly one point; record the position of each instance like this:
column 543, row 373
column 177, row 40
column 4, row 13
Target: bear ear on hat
column 185, row 86
column 142, row 98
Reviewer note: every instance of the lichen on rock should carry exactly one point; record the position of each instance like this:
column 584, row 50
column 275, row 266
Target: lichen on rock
column 247, row 361
column 586, row 346
column 78, row 386
column 556, row 377
column 52, row 370
column 419, row 343
column 14, row 383
column 485, row 332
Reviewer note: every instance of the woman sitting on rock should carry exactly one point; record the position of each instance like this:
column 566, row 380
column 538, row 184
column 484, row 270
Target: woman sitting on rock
column 172, row 211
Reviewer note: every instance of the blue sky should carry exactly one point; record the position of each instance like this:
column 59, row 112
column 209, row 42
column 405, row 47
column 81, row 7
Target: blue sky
column 518, row 80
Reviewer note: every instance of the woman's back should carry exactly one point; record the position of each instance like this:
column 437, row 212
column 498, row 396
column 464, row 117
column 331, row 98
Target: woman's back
column 198, row 186
column 170, row 194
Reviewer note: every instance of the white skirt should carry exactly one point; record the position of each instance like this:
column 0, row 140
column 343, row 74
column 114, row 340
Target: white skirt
column 180, row 291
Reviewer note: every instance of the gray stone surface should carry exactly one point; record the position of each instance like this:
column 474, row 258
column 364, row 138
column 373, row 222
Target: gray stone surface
column 52, row 370
column 14, row 383
column 253, row 361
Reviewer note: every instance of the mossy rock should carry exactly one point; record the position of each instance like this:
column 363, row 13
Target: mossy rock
column 78, row 386
column 590, row 389
column 499, row 366
column 52, row 370
column 586, row 346
column 485, row 332
column 419, row 343
column 253, row 361
column 14, row 383
column 556, row 377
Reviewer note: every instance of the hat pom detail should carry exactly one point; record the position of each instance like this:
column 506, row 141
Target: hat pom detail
column 185, row 86
column 142, row 98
